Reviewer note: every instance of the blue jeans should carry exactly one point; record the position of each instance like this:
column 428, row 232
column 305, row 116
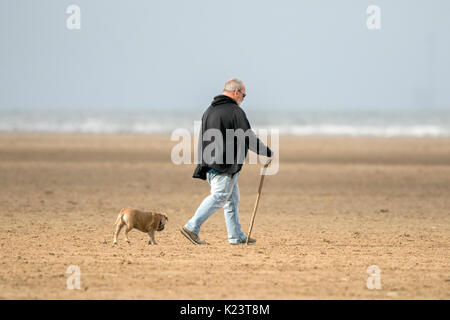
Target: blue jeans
column 224, row 194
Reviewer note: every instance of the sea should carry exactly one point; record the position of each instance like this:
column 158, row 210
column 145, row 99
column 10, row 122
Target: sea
column 301, row 122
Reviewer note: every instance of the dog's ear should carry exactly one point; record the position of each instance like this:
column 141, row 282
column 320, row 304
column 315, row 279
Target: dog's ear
column 156, row 220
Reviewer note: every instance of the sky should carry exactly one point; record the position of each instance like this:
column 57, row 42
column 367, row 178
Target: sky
column 175, row 55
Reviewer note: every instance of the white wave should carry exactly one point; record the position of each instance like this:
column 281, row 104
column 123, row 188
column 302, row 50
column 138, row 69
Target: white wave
column 137, row 124
column 354, row 130
column 90, row 125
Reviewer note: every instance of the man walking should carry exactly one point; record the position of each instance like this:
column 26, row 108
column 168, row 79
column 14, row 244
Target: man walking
column 224, row 114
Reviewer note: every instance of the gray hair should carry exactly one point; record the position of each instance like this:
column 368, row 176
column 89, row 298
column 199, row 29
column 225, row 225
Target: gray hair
column 233, row 84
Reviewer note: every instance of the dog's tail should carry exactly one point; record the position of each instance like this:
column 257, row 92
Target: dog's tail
column 119, row 217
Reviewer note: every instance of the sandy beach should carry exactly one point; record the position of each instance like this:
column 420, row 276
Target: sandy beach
column 337, row 206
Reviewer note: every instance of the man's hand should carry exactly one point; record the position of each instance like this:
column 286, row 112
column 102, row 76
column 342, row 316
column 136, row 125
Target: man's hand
column 268, row 161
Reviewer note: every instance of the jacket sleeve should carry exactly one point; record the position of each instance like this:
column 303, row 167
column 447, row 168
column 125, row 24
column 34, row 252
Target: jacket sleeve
column 259, row 147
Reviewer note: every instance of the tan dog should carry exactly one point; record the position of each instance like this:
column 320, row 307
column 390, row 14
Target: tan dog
column 143, row 221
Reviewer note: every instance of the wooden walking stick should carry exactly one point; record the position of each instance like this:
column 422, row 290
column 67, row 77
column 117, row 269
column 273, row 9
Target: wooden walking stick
column 257, row 199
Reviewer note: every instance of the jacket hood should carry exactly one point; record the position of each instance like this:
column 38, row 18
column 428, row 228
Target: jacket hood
column 222, row 99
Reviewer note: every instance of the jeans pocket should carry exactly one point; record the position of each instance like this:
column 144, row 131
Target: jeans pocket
column 210, row 176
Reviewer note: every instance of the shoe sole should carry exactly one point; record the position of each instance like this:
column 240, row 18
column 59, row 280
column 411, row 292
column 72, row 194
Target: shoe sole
column 240, row 243
column 184, row 233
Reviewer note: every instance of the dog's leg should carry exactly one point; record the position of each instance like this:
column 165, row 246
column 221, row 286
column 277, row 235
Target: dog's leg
column 128, row 229
column 118, row 228
column 151, row 235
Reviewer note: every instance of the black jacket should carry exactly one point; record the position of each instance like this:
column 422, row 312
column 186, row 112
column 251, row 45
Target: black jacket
column 224, row 113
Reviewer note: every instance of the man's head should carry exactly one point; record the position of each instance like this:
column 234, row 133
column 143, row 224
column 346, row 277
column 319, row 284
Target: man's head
column 235, row 89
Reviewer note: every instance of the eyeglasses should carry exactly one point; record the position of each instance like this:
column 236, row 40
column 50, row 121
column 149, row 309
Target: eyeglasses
column 243, row 94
